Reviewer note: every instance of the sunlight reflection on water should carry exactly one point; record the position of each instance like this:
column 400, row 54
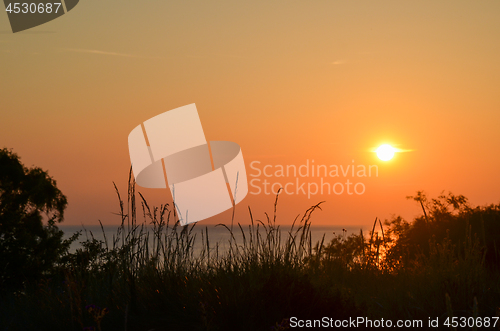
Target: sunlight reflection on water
column 215, row 234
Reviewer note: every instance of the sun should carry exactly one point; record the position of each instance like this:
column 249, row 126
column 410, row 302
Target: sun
column 385, row 152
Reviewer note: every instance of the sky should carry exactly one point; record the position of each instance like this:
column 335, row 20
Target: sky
column 289, row 81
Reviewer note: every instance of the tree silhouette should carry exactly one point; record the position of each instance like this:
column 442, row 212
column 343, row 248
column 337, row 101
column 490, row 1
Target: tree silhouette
column 30, row 206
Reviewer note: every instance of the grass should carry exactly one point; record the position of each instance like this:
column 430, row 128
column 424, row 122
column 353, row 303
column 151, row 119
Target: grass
column 154, row 280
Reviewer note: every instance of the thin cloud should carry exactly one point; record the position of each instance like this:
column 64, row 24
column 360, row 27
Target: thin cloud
column 93, row 51
column 396, row 149
column 266, row 156
column 217, row 55
column 338, row 62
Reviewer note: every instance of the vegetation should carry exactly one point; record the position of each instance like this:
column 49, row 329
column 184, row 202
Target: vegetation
column 149, row 277
column 28, row 248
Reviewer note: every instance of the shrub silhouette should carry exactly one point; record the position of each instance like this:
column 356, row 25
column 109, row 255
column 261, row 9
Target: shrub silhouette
column 28, row 199
column 448, row 218
column 151, row 276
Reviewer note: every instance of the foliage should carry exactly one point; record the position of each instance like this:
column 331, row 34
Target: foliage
column 28, row 198
column 149, row 275
column 451, row 219
column 450, row 251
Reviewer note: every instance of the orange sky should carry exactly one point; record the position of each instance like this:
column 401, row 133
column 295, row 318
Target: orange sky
column 289, row 81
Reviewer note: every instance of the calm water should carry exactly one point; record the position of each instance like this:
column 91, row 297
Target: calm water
column 215, row 234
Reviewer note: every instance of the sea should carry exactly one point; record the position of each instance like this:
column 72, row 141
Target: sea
column 216, row 234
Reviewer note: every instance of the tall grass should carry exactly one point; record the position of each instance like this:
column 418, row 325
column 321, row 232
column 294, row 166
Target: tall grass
column 150, row 276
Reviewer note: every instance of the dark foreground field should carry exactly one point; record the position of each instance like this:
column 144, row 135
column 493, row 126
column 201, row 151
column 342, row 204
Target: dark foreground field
column 444, row 265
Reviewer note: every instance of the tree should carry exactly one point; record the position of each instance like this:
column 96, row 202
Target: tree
column 30, row 206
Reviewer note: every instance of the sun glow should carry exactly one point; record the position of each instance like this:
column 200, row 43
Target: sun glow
column 385, row 152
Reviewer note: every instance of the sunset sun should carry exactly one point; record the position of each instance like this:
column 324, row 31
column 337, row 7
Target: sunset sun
column 385, row 152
